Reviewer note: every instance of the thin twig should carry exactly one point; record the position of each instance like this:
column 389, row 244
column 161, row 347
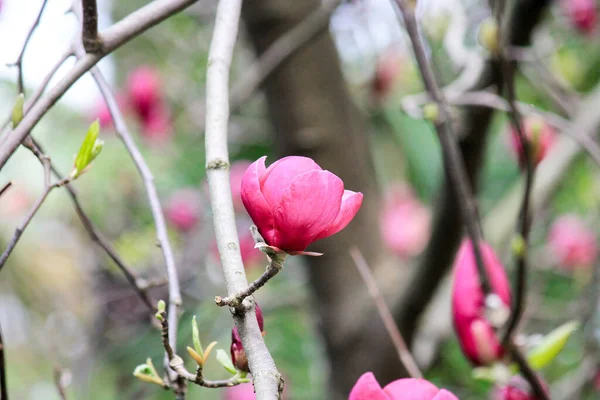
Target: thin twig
column 5, row 187
column 268, row 383
column 386, row 316
column 528, row 373
column 19, row 62
column 177, row 365
column 492, row 100
column 58, row 374
column 3, row 383
column 451, row 152
column 89, row 32
column 48, row 187
column 524, row 220
column 95, row 234
column 113, row 37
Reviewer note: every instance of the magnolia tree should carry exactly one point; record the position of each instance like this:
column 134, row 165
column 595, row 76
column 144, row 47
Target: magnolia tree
column 426, row 218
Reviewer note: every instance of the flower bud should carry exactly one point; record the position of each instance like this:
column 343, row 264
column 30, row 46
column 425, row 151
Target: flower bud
column 367, row 388
column 476, row 334
column 540, row 136
column 295, row 202
column 404, row 223
column 238, row 355
column 144, row 91
column 572, row 243
column 581, row 14
column 517, row 388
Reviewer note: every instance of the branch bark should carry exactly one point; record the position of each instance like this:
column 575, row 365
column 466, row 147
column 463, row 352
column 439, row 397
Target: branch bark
column 267, row 381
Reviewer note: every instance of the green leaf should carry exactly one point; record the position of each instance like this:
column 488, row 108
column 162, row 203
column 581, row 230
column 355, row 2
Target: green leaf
column 161, row 306
column 88, row 148
column 225, row 361
column 17, row 113
column 196, row 338
column 496, row 373
column 551, row 345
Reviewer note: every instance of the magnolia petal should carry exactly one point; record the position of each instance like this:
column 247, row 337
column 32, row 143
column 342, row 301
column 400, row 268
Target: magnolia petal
column 307, row 207
column 445, row 395
column 254, row 201
column 351, row 203
column 278, row 177
column 367, row 388
column 411, row 389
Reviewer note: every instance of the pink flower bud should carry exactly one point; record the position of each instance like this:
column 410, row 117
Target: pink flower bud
column 475, row 333
column 387, row 70
column 238, row 355
column 404, row 223
column 516, row 389
column 236, row 174
column 144, row 91
column 581, row 13
column 541, row 137
column 572, row 243
column 295, row 202
column 183, row 210
column 367, row 388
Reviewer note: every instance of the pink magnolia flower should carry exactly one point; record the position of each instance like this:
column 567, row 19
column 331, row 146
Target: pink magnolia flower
column 367, row 388
column 475, row 333
column 541, row 137
column 236, row 174
column 404, row 223
column 572, row 243
column 158, row 126
column 581, row 13
column 183, row 210
column 295, row 202
column 517, row 388
column 238, row 355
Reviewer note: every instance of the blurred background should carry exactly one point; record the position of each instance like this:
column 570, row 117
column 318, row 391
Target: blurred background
column 350, row 97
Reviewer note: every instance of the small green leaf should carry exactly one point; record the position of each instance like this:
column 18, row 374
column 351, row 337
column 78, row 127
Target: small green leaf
column 225, row 361
column 17, row 113
column 161, row 306
column 147, row 373
column 196, row 338
column 551, row 345
column 89, row 149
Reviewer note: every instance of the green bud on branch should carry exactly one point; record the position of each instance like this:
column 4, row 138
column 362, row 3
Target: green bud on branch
column 17, row 112
column 89, row 150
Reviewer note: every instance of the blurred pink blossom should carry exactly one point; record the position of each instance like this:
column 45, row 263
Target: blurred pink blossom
column 404, row 222
column 183, row 210
column 475, row 333
column 541, row 137
column 367, row 388
column 581, row 13
column 245, row 391
column 572, row 243
column 158, row 126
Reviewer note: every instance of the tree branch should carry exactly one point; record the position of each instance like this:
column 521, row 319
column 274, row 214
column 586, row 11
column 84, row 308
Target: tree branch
column 92, row 43
column 19, row 62
column 267, row 380
column 113, row 37
column 457, row 173
column 386, row 316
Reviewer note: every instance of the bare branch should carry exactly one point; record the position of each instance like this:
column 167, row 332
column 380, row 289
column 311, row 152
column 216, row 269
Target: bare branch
column 19, row 62
column 528, row 373
column 5, row 187
column 452, row 157
column 113, row 37
column 92, row 43
column 267, row 380
column 386, row 316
